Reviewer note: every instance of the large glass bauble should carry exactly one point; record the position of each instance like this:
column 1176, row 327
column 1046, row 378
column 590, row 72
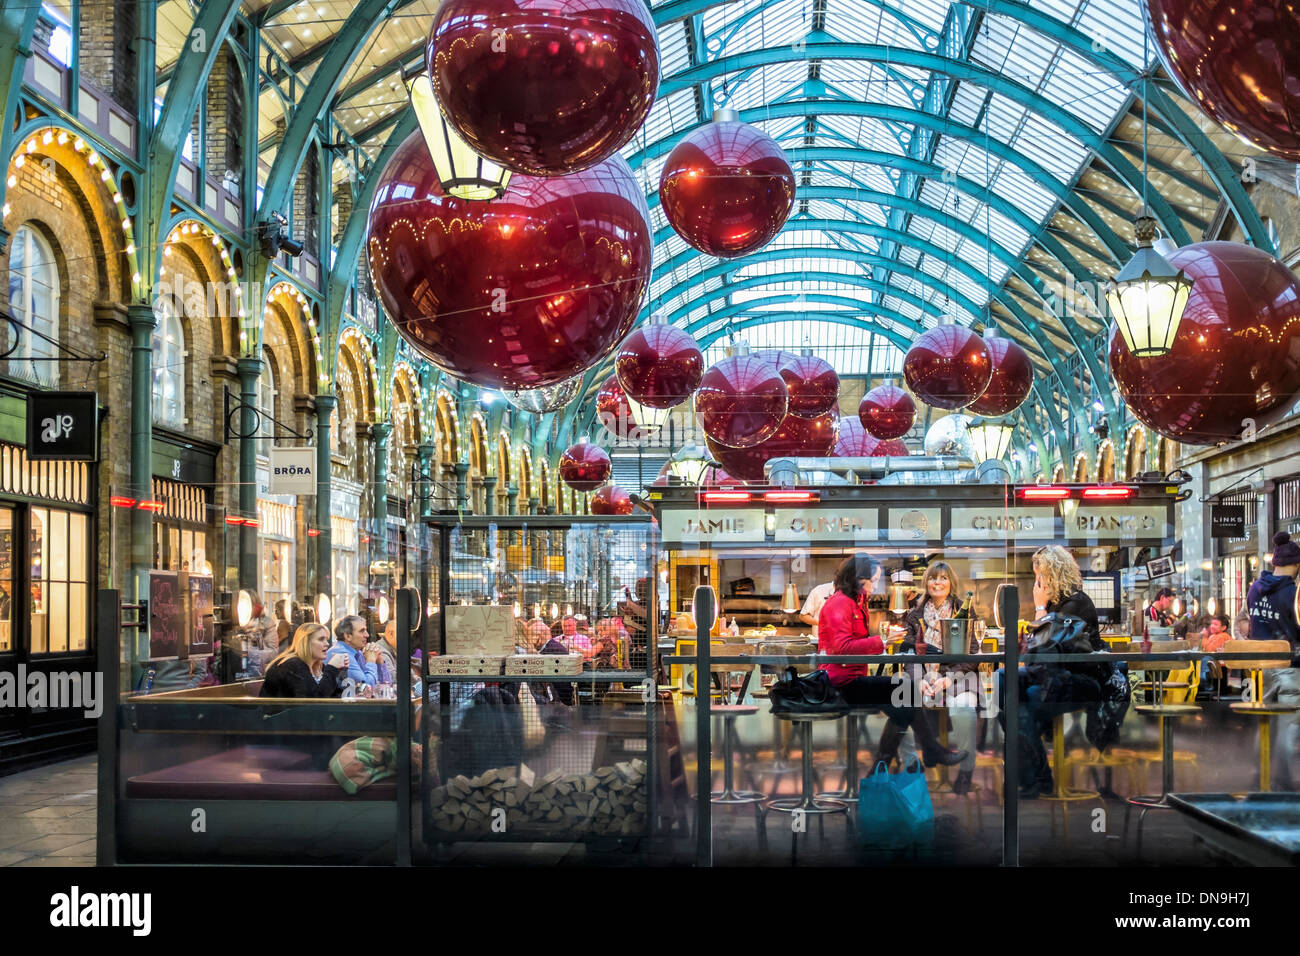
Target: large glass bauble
column 886, row 412
column 544, row 87
column 1013, row 377
column 741, row 401
column 813, row 385
column 659, row 365
column 948, row 367
column 585, row 467
column 520, row 292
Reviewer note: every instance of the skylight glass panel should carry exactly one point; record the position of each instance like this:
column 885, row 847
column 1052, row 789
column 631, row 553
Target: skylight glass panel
column 674, row 54
column 1118, row 26
column 966, row 103
column 759, row 87
column 1015, row 185
column 857, row 22
column 1059, row 153
column 1085, row 90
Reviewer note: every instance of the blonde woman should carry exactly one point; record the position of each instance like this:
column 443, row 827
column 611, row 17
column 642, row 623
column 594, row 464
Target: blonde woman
column 940, row 599
column 1058, row 589
column 302, row 670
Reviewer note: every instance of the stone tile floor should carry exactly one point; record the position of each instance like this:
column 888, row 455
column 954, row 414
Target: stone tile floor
column 47, row 815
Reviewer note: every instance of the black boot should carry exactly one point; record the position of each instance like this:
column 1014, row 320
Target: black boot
column 932, row 752
column 962, row 784
column 888, row 750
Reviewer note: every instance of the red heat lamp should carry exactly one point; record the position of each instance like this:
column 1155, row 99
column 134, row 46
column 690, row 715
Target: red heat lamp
column 1042, row 493
column 119, row 501
column 768, row 497
column 1090, row 493
column 709, row 497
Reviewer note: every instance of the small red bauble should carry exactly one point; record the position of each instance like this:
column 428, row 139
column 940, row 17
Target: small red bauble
column 948, row 367
column 742, row 401
column 611, row 500
column 659, row 365
column 1233, row 361
column 812, row 383
column 518, row 293
column 585, row 467
column 615, row 412
column 727, row 189
column 854, row 442
column 887, row 412
column 1013, row 377
column 544, row 87
column 1239, row 61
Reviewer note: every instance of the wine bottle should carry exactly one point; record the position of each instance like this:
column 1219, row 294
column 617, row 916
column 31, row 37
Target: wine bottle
column 964, row 612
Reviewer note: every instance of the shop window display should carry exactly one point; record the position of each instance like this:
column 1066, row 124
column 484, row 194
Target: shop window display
column 6, row 579
column 59, row 557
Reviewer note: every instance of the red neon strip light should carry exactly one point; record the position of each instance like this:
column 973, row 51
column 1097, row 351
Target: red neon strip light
column 151, row 506
column 1107, row 493
column 234, row 519
column 251, row 523
column 794, row 496
column 725, row 496
column 313, row 532
column 1043, row 493
column 117, row 501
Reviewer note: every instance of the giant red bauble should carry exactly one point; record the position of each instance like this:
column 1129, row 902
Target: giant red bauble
column 812, row 383
column 517, row 293
column 1013, row 377
column 659, row 365
column 742, row 401
column 544, row 87
column 614, row 412
column 887, row 411
column 585, row 467
column 948, row 367
column 854, row 442
column 727, row 189
column 796, row 438
column 1239, row 61
column 611, row 500
column 1236, row 355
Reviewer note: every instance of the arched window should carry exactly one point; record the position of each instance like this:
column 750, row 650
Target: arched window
column 168, row 365
column 34, row 300
column 266, row 405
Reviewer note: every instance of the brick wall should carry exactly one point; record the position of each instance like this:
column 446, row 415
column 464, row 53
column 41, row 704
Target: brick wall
column 107, row 50
column 306, row 205
column 225, row 109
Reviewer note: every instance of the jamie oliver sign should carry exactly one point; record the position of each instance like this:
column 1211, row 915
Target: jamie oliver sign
column 844, row 524
column 712, row 525
column 1129, row 523
column 999, row 524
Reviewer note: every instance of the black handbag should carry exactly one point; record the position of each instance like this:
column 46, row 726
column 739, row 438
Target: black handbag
column 814, row 694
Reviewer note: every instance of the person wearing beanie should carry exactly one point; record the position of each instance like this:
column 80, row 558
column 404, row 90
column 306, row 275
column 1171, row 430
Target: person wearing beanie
column 1271, row 603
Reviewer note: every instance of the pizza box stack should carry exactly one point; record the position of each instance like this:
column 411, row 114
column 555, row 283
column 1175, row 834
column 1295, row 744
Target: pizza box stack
column 544, row 665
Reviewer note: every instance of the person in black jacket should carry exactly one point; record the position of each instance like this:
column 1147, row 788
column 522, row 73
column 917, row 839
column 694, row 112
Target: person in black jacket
column 302, row 671
column 1272, row 604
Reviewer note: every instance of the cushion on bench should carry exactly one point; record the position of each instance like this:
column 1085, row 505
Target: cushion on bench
column 249, row 773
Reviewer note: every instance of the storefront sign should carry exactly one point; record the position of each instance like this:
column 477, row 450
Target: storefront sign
column 1001, row 524
column 1147, row 522
column 203, row 629
column 166, row 616
column 1227, row 521
column 712, row 526
column 63, row 426
column 915, row 524
column 827, row 524
column 293, row 471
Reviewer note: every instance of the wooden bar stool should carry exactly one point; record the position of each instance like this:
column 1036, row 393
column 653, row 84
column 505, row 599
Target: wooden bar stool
column 1256, row 707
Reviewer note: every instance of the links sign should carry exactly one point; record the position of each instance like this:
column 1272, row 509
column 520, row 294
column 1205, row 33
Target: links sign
column 293, row 471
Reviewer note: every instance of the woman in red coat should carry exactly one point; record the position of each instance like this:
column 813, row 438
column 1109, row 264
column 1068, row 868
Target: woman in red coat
column 842, row 629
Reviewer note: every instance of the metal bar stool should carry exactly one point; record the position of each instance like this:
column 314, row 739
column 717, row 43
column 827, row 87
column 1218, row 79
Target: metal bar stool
column 1256, row 707
column 852, row 744
column 808, row 802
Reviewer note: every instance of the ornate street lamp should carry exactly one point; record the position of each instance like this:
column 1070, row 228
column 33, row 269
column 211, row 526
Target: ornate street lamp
column 690, row 463
column 462, row 172
column 990, row 438
column 1148, row 296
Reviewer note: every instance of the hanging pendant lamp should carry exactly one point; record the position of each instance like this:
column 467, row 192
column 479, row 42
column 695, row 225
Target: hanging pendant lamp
column 462, row 172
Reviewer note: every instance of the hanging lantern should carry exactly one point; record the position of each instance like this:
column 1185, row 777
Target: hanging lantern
column 650, row 420
column 742, row 401
column 887, row 412
column 462, row 173
column 615, row 412
column 659, row 365
column 811, row 382
column 519, row 293
column 584, row 466
column 727, row 188
column 1148, row 297
column 545, row 87
column 1232, row 358
column 540, row 401
column 989, row 439
column 948, row 367
column 611, row 500
column 790, row 599
column 1013, row 377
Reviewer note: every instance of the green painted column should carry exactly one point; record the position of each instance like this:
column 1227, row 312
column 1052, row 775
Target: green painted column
column 250, row 371
column 532, row 505
column 325, row 405
column 380, row 432
column 424, row 490
column 512, row 499
column 142, row 322
column 461, row 469
column 490, row 495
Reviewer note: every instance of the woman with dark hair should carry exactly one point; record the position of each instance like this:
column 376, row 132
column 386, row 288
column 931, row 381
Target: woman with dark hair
column 842, row 629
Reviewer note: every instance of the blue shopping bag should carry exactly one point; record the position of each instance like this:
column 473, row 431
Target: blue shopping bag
column 894, row 810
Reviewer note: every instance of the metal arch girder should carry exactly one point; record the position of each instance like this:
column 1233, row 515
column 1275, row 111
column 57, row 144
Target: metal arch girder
column 1119, row 250
column 365, row 17
column 1185, row 128
column 1035, row 434
column 349, row 244
column 188, row 83
column 17, row 25
column 1027, row 322
column 1064, row 378
column 960, row 70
